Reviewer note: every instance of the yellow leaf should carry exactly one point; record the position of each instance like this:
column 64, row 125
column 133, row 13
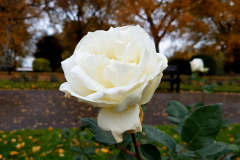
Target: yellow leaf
column 0, row 139
column 59, row 150
column 104, row 150
column 50, row 128
column 96, row 144
column 97, row 150
column 13, row 140
column 1, row 131
column 60, row 145
column 30, row 137
column 4, row 136
column 1, row 156
column 86, row 144
column 43, row 154
column 61, row 155
column 231, row 139
column 164, row 147
column 34, row 140
column 13, row 153
column 36, row 148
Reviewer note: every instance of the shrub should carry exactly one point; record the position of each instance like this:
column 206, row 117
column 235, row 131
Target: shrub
column 209, row 62
column 236, row 66
column 53, row 78
column 41, row 65
column 183, row 65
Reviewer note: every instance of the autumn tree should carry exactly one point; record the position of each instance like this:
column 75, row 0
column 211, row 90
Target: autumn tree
column 215, row 30
column 159, row 17
column 14, row 35
column 49, row 47
column 77, row 17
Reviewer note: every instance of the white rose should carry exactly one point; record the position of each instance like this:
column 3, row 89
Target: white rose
column 117, row 70
column 197, row 64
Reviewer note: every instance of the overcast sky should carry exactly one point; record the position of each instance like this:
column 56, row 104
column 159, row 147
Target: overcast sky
column 43, row 25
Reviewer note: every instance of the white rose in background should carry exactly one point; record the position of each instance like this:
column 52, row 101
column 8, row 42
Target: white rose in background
column 117, row 70
column 197, row 65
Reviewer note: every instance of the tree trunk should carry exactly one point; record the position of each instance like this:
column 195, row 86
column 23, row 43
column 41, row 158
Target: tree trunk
column 157, row 41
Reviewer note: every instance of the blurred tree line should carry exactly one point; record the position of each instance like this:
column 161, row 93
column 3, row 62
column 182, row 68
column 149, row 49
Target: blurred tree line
column 210, row 27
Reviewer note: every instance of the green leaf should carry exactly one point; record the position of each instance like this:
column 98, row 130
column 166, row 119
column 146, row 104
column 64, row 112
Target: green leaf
column 180, row 147
column 173, row 155
column 173, row 119
column 82, row 133
column 209, row 88
column 79, row 157
column 112, row 157
column 127, row 139
column 180, row 125
column 90, row 150
column 231, row 147
column 144, row 108
column 196, row 105
column 184, row 157
column 225, row 123
column 202, row 126
column 178, row 156
column 150, row 152
column 65, row 133
column 176, row 109
column 197, row 78
column 76, row 149
column 158, row 136
column 211, row 149
column 100, row 135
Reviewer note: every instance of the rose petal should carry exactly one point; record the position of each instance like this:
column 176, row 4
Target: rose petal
column 134, row 51
column 118, row 73
column 81, row 89
column 79, row 74
column 68, row 89
column 118, row 123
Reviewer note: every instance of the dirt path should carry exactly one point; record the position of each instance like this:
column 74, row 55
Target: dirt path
column 45, row 108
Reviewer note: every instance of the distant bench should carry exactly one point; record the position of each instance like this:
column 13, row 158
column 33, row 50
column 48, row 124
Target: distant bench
column 172, row 70
column 8, row 68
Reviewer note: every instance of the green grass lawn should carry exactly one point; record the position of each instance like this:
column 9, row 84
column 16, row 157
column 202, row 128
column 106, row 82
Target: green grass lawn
column 48, row 144
column 190, row 87
column 164, row 86
column 8, row 84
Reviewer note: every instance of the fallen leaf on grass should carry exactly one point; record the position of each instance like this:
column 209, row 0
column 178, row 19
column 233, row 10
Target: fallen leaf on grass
column 59, row 150
column 97, row 150
column 231, row 139
column 13, row 153
column 36, row 148
column 50, row 128
column 13, row 140
column 61, row 155
column 1, row 156
column 43, row 154
column 60, row 145
column 104, row 150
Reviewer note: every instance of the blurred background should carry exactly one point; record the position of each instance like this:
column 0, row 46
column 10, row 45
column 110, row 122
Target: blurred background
column 181, row 29
column 36, row 35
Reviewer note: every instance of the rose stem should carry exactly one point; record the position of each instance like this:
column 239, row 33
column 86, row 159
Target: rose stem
column 136, row 145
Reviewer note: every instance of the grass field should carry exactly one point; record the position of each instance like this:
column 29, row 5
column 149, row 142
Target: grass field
column 164, row 86
column 48, row 144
